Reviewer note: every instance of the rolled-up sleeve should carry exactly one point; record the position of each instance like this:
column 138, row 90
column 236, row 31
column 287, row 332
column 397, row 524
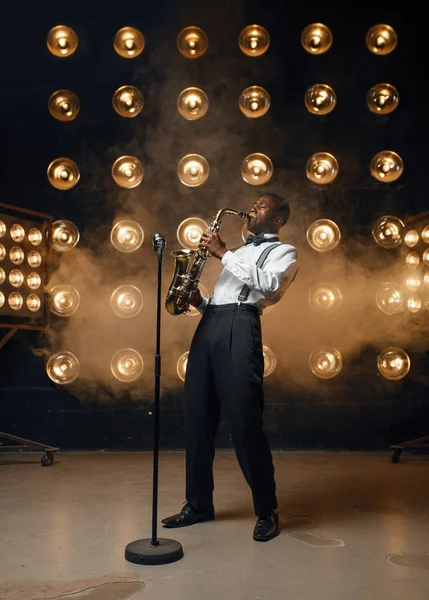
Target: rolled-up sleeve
column 276, row 273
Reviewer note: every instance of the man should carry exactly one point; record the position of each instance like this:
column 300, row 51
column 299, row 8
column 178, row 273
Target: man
column 226, row 366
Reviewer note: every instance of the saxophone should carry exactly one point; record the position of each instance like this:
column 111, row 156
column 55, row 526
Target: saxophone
column 186, row 277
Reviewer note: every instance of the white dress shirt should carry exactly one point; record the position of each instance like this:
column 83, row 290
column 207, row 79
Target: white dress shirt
column 267, row 284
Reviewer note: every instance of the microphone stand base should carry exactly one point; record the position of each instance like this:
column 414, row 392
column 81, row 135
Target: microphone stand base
column 142, row 552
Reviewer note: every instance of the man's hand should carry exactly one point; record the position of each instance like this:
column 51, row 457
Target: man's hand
column 196, row 299
column 213, row 243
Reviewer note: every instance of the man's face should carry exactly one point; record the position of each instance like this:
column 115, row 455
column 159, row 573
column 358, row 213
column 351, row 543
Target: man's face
column 263, row 216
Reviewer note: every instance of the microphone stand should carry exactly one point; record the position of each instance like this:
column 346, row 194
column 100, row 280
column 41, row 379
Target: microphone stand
column 155, row 551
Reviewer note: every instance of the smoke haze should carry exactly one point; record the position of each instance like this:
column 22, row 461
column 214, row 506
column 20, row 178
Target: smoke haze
column 159, row 137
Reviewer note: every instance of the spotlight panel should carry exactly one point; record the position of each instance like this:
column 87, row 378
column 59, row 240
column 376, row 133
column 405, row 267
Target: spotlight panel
column 400, row 293
column 416, row 272
column 25, row 262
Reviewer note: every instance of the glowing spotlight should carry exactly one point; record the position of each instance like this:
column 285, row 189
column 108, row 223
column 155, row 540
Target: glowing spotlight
column 326, row 362
column 16, row 255
column 193, row 170
column 414, row 304
column 390, row 298
column 393, row 363
column 190, row 231
column 412, row 259
column 63, row 367
column 381, row 39
column 192, row 103
column 257, row 168
column 34, row 259
column 62, row 41
column 411, row 238
column 426, row 257
column 127, row 236
column 323, row 235
column 64, row 105
column 382, row 98
column 127, row 171
column 192, row 42
column 129, row 42
column 33, row 302
column 17, row 233
column 316, row 38
column 128, row 101
column 254, row 40
column 320, row 99
column 34, row 281
column 65, row 235
column 270, row 361
column 182, row 364
column 63, row 173
column 126, row 301
column 127, row 365
column 413, row 282
column 387, row 231
column 16, row 278
column 425, row 234
column 325, row 298
column 15, row 301
column 65, row 300
column 254, row 101
column 35, row 236
column 322, row 168
column 387, row 166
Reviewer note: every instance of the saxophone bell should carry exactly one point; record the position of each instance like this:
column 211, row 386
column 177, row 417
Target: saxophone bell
column 176, row 302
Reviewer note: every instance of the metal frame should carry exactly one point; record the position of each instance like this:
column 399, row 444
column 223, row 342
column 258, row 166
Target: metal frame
column 24, row 445
column 422, row 442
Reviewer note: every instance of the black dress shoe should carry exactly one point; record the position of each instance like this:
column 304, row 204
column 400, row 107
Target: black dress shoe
column 188, row 516
column 267, row 527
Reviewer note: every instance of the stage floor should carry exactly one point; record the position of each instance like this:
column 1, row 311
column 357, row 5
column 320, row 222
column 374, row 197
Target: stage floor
column 354, row 527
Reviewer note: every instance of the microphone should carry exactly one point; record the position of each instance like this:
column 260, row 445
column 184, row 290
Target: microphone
column 158, row 241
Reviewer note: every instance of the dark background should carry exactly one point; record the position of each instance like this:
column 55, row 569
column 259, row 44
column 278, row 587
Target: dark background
column 375, row 412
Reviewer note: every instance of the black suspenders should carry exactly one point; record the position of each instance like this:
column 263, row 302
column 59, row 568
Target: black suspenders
column 245, row 290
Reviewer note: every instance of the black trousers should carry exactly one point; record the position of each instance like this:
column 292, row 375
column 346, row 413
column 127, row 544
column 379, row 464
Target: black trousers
column 225, row 367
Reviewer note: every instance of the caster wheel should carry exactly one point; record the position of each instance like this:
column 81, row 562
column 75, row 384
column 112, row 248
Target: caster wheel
column 47, row 460
column 396, row 455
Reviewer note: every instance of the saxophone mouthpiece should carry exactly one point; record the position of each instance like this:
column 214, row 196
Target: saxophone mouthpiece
column 244, row 215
